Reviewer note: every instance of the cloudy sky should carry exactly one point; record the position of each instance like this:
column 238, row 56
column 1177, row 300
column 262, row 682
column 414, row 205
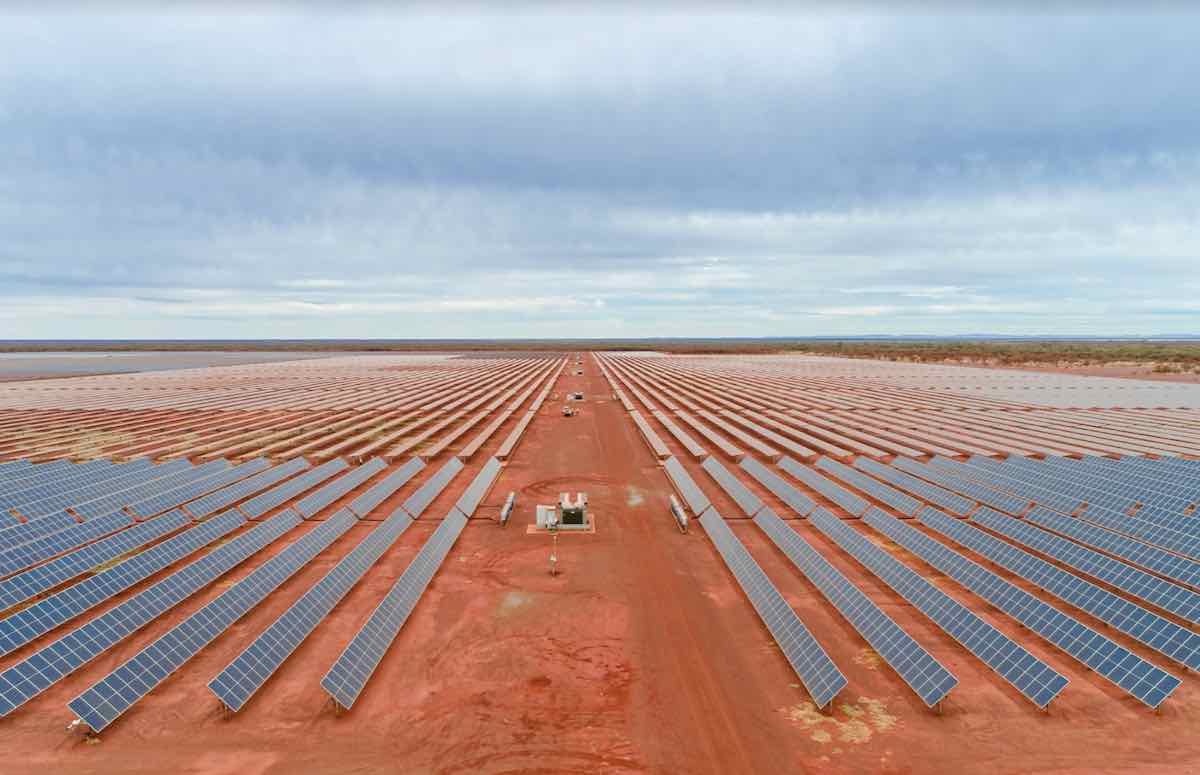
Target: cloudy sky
column 597, row 172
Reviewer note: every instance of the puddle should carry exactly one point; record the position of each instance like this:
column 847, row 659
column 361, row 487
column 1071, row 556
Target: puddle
column 512, row 602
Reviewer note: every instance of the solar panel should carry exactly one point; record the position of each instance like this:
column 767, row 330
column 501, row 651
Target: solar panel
column 35, row 581
column 246, row 674
column 478, row 487
column 1032, row 677
column 1158, row 560
column 836, row 493
column 433, row 486
column 811, row 663
column 369, row 500
column 53, row 502
column 108, row 698
column 71, row 536
column 974, row 490
column 793, row 498
column 1164, row 636
column 747, row 501
column 350, row 673
column 68, row 486
column 19, row 535
column 40, row 484
column 952, row 502
column 107, row 504
column 905, row 504
column 277, row 496
column 177, row 496
column 696, row 500
column 46, row 614
column 1180, row 601
column 227, row 496
column 313, row 504
column 1127, row 670
column 28, row 678
column 916, row 666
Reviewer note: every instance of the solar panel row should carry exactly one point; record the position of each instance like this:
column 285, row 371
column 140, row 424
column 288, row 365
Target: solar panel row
column 246, row 674
column 227, row 496
column 979, row 492
column 779, row 487
column 71, row 536
column 1162, row 635
column 695, row 498
column 1032, row 677
column 47, row 666
column 905, row 504
column 354, row 667
column 35, row 581
column 1158, row 560
column 22, row 534
column 177, row 496
column 839, row 495
column 108, row 698
column 916, row 666
column 312, row 505
column 369, row 500
column 432, row 487
column 478, row 487
column 64, row 489
column 747, row 501
column 820, row 676
column 107, row 504
column 1180, row 601
column 53, row 480
column 277, row 496
column 62, row 606
column 1141, row 679
column 952, row 502
column 51, row 503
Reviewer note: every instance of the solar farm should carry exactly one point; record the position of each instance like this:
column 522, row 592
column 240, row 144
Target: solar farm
column 792, row 563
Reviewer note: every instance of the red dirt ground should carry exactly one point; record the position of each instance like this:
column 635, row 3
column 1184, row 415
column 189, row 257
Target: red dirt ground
column 642, row 655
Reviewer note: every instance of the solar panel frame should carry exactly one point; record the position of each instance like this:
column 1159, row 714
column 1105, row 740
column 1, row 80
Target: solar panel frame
column 811, row 663
column 121, row 498
column 53, row 503
column 1139, row 678
column 107, row 699
column 349, row 674
column 926, row 676
column 52, row 663
column 1024, row 671
column 313, row 504
column 241, row 679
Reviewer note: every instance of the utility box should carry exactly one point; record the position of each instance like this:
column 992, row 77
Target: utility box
column 547, row 517
column 574, row 512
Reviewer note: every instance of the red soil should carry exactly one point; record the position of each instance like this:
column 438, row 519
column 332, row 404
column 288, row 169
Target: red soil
column 642, row 655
